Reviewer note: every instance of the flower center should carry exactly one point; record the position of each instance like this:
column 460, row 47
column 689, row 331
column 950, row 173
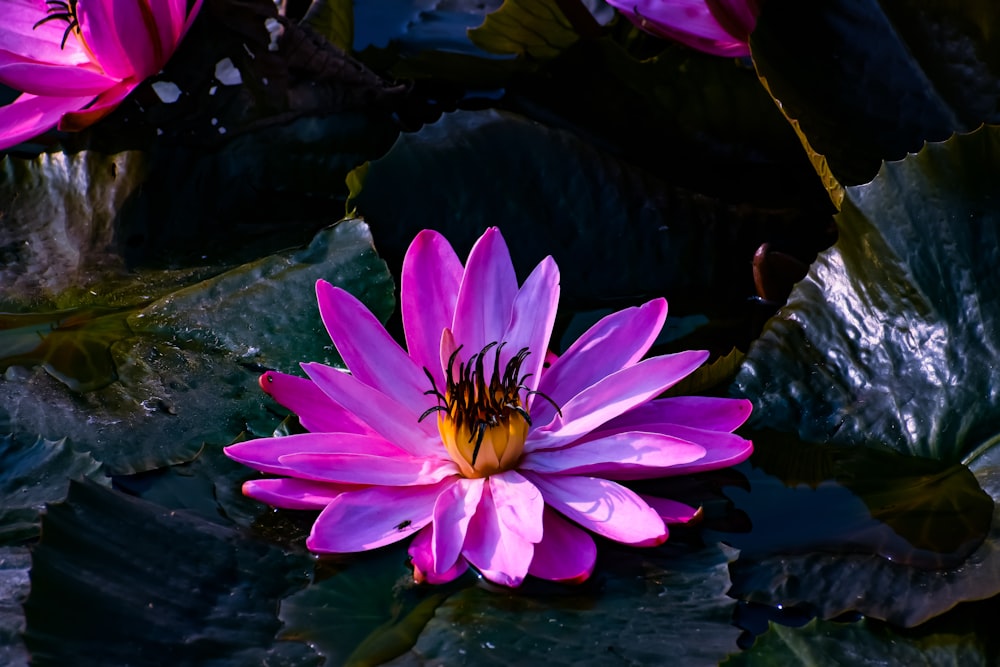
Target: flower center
column 61, row 11
column 482, row 420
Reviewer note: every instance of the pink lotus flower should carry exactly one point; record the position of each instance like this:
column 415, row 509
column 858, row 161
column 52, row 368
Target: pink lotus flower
column 76, row 60
column 471, row 441
column 718, row 27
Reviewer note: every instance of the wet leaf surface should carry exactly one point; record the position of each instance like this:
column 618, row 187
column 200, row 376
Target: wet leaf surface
column 117, row 580
column 887, row 343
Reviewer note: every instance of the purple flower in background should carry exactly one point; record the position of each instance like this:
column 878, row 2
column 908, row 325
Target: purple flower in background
column 76, row 60
column 490, row 452
column 718, row 27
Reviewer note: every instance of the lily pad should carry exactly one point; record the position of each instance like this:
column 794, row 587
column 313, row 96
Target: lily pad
column 551, row 192
column 365, row 614
column 863, row 644
column 642, row 605
column 117, row 580
column 870, row 80
column 33, row 473
column 889, row 342
column 189, row 373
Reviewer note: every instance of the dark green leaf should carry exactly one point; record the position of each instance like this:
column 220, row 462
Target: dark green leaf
column 368, row 613
column 870, row 80
column 33, row 473
column 863, row 644
column 616, row 231
column 334, row 19
column 534, row 28
column 189, row 375
column 889, row 341
column 119, row 581
column 644, row 607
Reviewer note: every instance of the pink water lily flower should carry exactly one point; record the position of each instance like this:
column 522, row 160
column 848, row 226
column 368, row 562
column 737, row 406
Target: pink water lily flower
column 719, row 27
column 471, row 440
column 76, row 60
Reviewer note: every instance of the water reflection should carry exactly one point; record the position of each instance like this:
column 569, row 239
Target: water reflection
column 803, row 498
column 71, row 345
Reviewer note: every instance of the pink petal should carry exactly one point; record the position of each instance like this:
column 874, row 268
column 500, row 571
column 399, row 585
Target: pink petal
column 430, row 278
column 689, row 22
column 19, row 35
column 101, row 33
column 316, row 411
column 369, row 351
column 264, row 454
column 393, row 421
column 566, row 552
column 498, row 552
column 615, row 342
column 628, row 455
column 486, row 295
column 425, row 567
column 105, row 103
column 453, row 511
column 671, row 511
column 368, row 469
column 602, row 506
column 54, row 80
column 721, row 449
column 519, row 504
column 533, row 314
column 612, row 396
column 373, row 517
column 702, row 412
column 28, row 116
column 294, row 494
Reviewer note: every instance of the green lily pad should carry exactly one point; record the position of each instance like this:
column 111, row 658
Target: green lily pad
column 868, row 643
column 642, row 605
column 119, row 581
column 551, row 192
column 365, row 614
column 189, row 373
column 33, row 473
column 870, row 80
column 888, row 342
column 534, row 28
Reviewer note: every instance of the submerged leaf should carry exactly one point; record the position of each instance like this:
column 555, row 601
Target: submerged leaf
column 73, row 346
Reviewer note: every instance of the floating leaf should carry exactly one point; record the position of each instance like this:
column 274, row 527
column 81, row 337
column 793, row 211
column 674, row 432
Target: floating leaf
column 119, row 581
column 616, row 231
column 889, row 342
column 189, row 374
column 366, row 614
column 642, row 605
column 534, row 28
column 334, row 19
column 33, row 473
column 868, row 644
column 870, row 80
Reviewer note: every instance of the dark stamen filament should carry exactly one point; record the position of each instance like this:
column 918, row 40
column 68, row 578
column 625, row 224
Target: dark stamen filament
column 470, row 402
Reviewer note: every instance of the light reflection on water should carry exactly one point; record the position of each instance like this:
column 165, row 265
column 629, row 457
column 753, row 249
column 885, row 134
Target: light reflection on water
column 804, row 498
